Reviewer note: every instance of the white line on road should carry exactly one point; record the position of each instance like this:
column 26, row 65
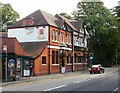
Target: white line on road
column 55, row 88
column 115, row 90
column 91, row 77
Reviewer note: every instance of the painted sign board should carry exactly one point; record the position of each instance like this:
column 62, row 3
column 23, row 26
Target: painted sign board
column 29, row 34
column 26, row 72
column 63, row 70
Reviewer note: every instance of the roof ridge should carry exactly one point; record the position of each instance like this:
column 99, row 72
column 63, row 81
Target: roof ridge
column 41, row 11
column 49, row 20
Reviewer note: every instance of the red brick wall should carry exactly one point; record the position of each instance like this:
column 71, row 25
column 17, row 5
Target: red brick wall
column 39, row 67
column 18, row 49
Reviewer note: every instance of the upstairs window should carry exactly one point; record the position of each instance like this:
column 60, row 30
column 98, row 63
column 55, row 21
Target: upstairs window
column 68, row 39
column 62, row 37
column 79, row 41
column 54, row 35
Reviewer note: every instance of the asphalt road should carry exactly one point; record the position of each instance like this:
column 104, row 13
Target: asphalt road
column 107, row 82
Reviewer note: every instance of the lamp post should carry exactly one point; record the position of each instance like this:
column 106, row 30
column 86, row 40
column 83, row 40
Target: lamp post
column 5, row 49
column 73, row 50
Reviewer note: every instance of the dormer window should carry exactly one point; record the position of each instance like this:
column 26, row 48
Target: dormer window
column 27, row 21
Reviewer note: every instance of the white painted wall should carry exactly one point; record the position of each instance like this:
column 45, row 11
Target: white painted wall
column 30, row 34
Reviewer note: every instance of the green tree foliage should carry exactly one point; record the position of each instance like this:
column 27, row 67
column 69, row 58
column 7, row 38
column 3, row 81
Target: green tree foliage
column 8, row 15
column 65, row 15
column 101, row 25
column 116, row 13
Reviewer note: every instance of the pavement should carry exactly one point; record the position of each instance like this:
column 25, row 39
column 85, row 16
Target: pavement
column 42, row 77
column 46, row 77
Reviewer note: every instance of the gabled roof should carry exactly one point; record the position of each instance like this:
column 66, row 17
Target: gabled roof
column 34, row 49
column 67, row 21
column 43, row 18
column 78, row 25
column 40, row 18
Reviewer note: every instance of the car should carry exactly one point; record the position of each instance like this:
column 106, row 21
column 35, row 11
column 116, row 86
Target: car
column 96, row 69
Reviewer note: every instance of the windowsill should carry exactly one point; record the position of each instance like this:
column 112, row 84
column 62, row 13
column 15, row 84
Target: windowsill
column 69, row 64
column 55, row 64
column 78, row 63
column 44, row 64
column 55, row 41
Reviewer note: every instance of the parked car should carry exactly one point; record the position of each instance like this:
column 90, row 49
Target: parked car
column 96, row 69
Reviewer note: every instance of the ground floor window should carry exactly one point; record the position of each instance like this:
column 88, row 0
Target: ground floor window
column 75, row 57
column 79, row 59
column 71, row 59
column 68, row 59
column 43, row 59
column 55, row 57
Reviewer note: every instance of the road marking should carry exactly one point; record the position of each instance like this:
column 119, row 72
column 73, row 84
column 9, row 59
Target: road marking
column 115, row 90
column 81, row 81
column 55, row 88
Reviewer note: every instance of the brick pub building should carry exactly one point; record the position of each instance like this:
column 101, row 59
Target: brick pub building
column 54, row 43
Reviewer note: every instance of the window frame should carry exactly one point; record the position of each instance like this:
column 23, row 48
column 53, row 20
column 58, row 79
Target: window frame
column 44, row 61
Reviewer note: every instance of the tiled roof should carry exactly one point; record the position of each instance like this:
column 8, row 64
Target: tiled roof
column 34, row 49
column 40, row 18
column 43, row 18
column 13, row 46
column 68, row 21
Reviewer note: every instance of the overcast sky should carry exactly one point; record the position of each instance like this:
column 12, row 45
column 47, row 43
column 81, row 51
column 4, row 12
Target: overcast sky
column 26, row 7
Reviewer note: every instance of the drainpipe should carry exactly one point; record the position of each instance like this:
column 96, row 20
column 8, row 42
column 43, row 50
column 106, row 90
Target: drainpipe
column 73, row 50
column 49, row 52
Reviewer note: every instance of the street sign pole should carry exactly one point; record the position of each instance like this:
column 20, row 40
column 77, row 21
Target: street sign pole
column 5, row 49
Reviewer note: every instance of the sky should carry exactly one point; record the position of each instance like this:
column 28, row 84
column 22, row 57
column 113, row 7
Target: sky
column 26, row 7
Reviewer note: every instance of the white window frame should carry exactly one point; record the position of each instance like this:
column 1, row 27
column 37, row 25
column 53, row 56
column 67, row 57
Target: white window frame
column 61, row 37
column 56, row 35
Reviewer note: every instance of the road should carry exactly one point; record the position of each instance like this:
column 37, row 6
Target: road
column 107, row 81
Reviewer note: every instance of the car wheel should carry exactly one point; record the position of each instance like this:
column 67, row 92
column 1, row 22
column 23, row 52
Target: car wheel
column 99, row 72
column 90, row 72
column 103, row 71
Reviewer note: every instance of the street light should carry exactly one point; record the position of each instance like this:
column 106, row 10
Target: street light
column 5, row 49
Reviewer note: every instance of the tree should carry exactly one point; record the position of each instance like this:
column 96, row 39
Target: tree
column 65, row 15
column 116, row 13
column 9, row 15
column 100, row 23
